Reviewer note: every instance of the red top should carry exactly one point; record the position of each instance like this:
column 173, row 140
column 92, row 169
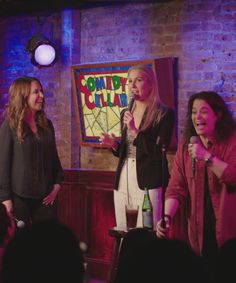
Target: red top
column 190, row 192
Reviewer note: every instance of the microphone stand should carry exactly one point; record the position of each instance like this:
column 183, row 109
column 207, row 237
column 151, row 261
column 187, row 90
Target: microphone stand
column 164, row 183
column 125, row 129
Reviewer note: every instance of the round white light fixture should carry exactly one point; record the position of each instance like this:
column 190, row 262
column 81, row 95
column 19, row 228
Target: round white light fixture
column 43, row 53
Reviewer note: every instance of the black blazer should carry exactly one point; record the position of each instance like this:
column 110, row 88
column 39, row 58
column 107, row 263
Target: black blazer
column 148, row 144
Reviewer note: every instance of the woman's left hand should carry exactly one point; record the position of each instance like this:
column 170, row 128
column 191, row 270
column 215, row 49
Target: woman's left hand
column 49, row 199
column 128, row 120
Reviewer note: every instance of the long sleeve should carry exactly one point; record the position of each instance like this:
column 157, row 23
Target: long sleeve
column 158, row 134
column 189, row 191
column 178, row 185
column 6, row 150
column 120, row 150
column 229, row 175
column 58, row 174
column 149, row 151
column 30, row 168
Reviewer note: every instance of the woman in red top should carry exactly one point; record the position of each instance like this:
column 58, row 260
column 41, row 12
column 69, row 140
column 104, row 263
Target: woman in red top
column 203, row 176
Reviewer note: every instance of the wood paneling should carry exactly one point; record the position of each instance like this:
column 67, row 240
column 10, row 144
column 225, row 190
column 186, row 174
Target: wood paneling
column 85, row 204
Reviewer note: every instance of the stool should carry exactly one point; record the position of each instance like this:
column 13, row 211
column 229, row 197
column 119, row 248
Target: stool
column 117, row 233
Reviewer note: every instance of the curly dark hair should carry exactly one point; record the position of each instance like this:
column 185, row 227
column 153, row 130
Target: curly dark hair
column 225, row 125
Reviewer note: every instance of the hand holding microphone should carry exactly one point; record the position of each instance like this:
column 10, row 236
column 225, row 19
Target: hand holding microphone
column 131, row 101
column 197, row 151
column 128, row 118
column 193, row 140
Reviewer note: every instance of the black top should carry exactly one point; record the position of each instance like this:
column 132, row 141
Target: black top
column 148, row 152
column 209, row 235
column 29, row 169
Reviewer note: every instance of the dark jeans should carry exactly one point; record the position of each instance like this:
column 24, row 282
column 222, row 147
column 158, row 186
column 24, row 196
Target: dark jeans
column 32, row 210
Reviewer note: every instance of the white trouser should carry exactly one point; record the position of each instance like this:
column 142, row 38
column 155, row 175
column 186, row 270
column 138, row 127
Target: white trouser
column 129, row 192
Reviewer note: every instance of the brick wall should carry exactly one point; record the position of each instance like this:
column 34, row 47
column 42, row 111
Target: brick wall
column 200, row 33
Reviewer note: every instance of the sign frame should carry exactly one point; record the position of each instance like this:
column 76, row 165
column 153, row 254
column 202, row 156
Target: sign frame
column 93, row 85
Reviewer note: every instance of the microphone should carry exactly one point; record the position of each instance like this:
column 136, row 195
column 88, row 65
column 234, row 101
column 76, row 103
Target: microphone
column 19, row 223
column 193, row 140
column 131, row 101
column 130, row 105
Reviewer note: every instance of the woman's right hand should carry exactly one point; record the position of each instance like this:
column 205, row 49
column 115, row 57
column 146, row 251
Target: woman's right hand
column 108, row 140
column 162, row 232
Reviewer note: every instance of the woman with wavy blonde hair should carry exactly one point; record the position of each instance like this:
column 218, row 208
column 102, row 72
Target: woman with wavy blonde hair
column 30, row 169
column 140, row 161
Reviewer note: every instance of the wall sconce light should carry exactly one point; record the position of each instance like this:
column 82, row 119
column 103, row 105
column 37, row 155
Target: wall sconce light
column 42, row 51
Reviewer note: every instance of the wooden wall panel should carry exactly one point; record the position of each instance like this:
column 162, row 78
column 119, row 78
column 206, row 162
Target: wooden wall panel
column 85, row 204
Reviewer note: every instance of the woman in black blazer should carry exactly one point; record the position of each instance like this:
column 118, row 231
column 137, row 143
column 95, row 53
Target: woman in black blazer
column 145, row 126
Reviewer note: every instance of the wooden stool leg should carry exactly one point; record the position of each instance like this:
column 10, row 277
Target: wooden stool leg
column 114, row 260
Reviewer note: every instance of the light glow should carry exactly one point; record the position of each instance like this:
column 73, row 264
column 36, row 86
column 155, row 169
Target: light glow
column 44, row 54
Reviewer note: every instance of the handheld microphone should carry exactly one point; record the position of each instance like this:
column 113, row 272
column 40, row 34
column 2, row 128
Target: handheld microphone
column 130, row 105
column 131, row 101
column 19, row 223
column 194, row 140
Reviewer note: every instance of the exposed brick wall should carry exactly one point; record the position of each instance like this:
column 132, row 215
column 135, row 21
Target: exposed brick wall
column 15, row 62
column 200, row 33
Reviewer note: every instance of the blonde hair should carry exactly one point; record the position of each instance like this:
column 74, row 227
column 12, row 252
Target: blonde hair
column 155, row 109
column 19, row 92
